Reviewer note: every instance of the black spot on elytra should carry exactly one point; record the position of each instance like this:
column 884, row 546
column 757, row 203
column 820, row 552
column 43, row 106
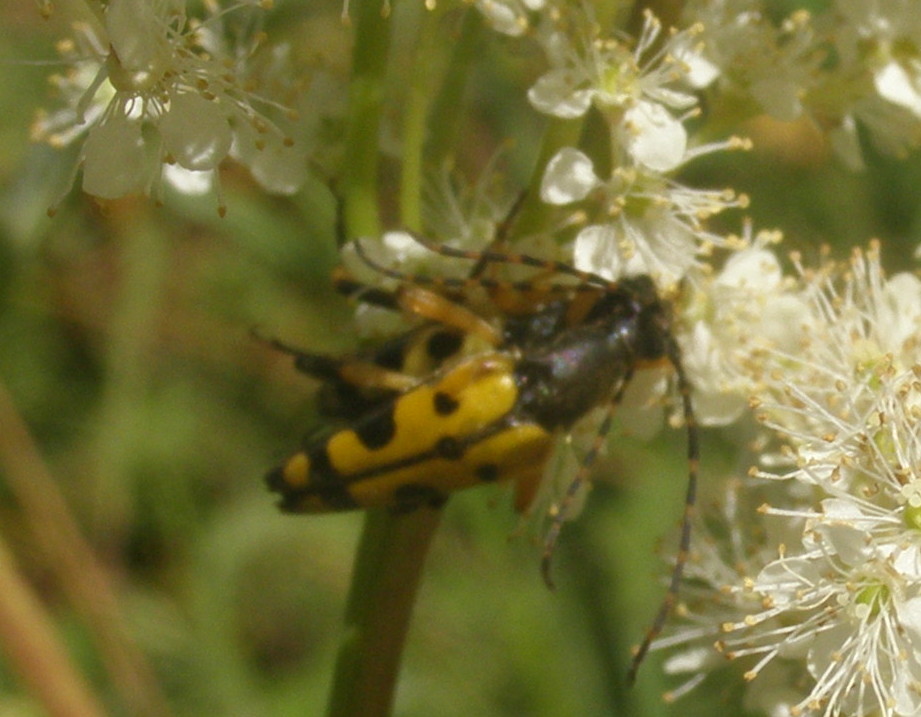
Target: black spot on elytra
column 378, row 429
column 320, row 466
column 488, row 472
column 324, row 485
column 443, row 344
column 449, row 448
column 444, row 404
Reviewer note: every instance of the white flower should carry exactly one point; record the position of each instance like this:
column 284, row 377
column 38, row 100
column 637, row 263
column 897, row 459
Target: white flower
column 884, row 37
column 607, row 72
column 844, row 65
column 880, row 41
column 648, row 223
column 396, row 250
column 465, row 216
column 728, row 318
column 730, row 545
column 153, row 88
column 847, row 403
column 845, row 607
column 636, row 89
column 835, row 615
column 774, row 63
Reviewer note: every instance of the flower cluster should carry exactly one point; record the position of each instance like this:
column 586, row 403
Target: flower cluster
column 849, row 65
column 641, row 220
column 841, row 595
column 726, row 318
column 153, row 93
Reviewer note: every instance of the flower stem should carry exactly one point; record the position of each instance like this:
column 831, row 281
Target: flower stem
column 388, row 568
column 420, row 71
column 391, row 553
column 444, row 120
column 366, row 91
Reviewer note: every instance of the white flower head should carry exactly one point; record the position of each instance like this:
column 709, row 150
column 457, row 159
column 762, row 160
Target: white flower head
column 851, row 376
column 834, row 608
column 638, row 89
column 847, row 611
column 648, row 224
column 884, row 37
column 730, row 316
column 844, row 64
column 832, row 618
column 153, row 88
column 847, row 405
column 729, row 546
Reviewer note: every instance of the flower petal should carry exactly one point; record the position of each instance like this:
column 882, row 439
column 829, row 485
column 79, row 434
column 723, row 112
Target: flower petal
column 569, row 177
column 655, row 138
column 195, row 132
column 555, row 93
column 114, row 159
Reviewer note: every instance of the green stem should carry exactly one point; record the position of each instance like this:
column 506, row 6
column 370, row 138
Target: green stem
column 134, row 321
column 391, row 554
column 419, row 68
column 388, row 568
column 444, row 119
column 366, row 88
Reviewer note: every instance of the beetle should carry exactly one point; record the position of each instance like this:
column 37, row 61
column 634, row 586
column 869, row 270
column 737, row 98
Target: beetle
column 465, row 399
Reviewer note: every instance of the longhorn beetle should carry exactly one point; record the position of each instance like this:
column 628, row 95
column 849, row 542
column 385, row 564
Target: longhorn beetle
column 465, row 399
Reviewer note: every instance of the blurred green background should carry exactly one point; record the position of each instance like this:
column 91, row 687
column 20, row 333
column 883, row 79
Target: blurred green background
column 125, row 345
